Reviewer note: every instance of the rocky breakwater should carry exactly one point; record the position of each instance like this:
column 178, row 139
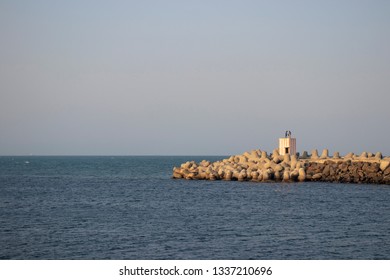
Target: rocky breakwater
column 259, row 166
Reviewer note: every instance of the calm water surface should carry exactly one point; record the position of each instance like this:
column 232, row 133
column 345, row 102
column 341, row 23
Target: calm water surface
column 130, row 208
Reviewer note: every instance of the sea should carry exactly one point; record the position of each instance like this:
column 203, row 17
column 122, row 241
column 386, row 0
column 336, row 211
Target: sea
column 129, row 208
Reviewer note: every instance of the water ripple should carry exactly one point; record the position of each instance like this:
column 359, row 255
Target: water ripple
column 104, row 208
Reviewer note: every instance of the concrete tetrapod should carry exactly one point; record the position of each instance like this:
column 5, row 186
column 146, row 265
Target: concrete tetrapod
column 258, row 166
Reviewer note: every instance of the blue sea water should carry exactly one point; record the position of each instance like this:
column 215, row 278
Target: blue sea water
column 130, row 208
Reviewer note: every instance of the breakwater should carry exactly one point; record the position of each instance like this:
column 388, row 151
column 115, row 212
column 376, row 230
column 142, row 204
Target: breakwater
column 259, row 166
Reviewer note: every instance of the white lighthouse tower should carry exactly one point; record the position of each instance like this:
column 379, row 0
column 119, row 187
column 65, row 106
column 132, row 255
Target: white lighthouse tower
column 287, row 145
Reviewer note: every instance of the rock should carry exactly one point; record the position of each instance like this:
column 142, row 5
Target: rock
column 177, row 175
column 373, row 167
column 266, row 175
column 326, row 171
column 317, row 176
column 260, row 177
column 254, row 175
column 202, row 176
column 267, row 165
column 277, row 175
column 293, row 161
column 278, row 168
column 277, row 159
column 285, row 165
column 336, row 155
column 275, row 153
column 252, row 162
column 260, row 165
column 301, row 175
column 192, row 176
column 343, row 167
column 332, row 171
column 325, row 154
column 294, row 175
column 263, row 155
column 252, row 168
column 194, row 168
column 244, row 165
column 184, row 172
column 314, row 154
column 228, row 175
column 383, row 165
column 363, row 155
column 304, row 155
column 254, row 154
column 286, row 176
column 378, row 155
column 248, row 175
column 286, row 158
column 243, row 159
column 349, row 156
column 213, row 176
column 374, row 178
column 242, row 176
column 246, row 154
column 271, row 174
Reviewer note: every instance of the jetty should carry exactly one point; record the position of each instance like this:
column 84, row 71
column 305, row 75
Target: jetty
column 285, row 165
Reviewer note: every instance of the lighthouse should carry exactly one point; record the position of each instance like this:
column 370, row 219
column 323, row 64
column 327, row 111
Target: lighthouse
column 287, row 145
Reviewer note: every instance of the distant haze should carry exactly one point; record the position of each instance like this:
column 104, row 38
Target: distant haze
column 193, row 77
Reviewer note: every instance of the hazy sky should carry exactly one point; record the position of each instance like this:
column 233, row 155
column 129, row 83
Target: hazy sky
column 193, row 77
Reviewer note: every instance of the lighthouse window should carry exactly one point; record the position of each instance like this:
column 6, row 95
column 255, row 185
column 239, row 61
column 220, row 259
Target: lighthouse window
column 286, row 150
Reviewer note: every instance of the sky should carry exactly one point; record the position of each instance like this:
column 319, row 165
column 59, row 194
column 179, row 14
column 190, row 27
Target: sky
column 193, row 77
